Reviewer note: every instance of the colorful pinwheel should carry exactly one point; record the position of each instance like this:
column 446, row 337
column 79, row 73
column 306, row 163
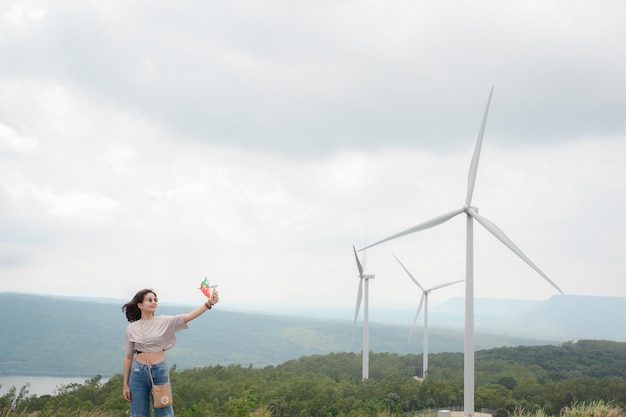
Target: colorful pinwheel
column 206, row 288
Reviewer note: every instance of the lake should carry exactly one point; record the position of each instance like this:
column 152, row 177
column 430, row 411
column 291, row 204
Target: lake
column 39, row 385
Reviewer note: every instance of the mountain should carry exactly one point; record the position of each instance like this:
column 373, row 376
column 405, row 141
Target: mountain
column 576, row 317
column 561, row 317
column 60, row 336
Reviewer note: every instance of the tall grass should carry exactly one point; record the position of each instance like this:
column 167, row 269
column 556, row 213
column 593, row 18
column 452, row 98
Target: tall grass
column 9, row 413
column 593, row 409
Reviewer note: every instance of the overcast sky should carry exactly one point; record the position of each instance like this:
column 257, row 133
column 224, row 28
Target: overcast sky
column 151, row 143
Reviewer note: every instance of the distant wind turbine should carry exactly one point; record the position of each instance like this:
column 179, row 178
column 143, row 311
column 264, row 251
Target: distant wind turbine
column 363, row 293
column 424, row 302
column 471, row 213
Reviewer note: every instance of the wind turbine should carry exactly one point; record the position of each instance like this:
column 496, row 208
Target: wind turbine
column 424, row 302
column 471, row 214
column 363, row 293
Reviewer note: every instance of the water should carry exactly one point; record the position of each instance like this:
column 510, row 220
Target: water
column 39, row 385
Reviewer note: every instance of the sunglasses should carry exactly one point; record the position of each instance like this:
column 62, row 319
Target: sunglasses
column 150, row 299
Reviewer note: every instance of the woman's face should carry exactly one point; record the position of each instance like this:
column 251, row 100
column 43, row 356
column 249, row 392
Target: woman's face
column 149, row 303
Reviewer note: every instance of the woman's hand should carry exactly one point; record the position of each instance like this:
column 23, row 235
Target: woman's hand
column 126, row 393
column 215, row 297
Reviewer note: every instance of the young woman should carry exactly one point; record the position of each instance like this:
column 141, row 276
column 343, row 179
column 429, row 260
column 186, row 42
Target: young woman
column 147, row 338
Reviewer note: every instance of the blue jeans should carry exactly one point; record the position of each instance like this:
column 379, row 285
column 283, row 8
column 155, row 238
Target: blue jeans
column 141, row 389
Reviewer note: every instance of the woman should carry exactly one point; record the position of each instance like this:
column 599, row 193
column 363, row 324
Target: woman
column 147, row 338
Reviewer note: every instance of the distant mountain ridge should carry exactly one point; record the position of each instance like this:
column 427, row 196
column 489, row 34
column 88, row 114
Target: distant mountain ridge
column 561, row 317
column 45, row 335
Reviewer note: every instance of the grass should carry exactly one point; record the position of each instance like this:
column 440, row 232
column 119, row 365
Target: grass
column 8, row 413
column 593, row 409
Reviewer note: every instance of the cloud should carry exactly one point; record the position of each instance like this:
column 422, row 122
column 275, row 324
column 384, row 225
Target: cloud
column 145, row 145
column 12, row 141
column 19, row 15
column 309, row 79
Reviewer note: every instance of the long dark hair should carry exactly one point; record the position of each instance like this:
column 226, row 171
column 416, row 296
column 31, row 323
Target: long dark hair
column 132, row 311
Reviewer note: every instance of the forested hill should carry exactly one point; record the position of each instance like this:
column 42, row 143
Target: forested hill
column 54, row 336
column 540, row 380
column 585, row 358
column 41, row 335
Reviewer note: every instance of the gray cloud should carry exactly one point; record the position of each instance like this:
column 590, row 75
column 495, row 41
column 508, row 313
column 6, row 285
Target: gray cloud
column 310, row 79
column 258, row 141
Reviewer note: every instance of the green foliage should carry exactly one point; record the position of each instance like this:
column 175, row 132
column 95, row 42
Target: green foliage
column 541, row 381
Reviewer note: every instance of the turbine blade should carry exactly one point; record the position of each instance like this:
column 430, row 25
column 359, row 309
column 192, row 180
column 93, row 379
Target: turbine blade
column 495, row 230
column 471, row 179
column 444, row 285
column 358, row 306
column 407, row 271
column 417, row 313
column 358, row 263
column 364, row 260
column 422, row 226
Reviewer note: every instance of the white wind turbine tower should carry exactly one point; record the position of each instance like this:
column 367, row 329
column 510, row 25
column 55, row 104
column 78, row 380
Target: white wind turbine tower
column 424, row 302
column 471, row 214
column 363, row 293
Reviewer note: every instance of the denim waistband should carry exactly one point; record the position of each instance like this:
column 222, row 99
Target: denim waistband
column 152, row 365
